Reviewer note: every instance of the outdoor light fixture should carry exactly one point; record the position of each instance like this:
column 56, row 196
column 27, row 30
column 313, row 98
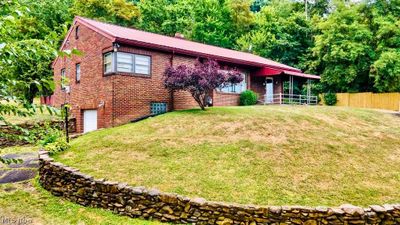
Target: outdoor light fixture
column 116, row 46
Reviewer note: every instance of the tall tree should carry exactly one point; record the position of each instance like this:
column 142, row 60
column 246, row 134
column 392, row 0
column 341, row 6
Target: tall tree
column 279, row 34
column 241, row 15
column 212, row 23
column 386, row 71
column 29, row 38
column 383, row 19
column 166, row 16
column 343, row 50
column 258, row 4
column 120, row 12
column 24, row 66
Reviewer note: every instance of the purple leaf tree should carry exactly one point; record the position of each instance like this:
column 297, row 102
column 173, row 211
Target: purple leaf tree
column 200, row 80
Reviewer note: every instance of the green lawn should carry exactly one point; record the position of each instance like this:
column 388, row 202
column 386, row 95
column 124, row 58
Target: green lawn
column 268, row 155
column 18, row 149
column 37, row 117
column 28, row 201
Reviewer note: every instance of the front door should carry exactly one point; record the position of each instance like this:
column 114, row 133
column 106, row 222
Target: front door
column 269, row 90
column 89, row 120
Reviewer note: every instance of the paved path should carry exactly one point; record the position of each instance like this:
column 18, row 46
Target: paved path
column 21, row 171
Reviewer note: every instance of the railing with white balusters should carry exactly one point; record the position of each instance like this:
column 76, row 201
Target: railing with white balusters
column 290, row 99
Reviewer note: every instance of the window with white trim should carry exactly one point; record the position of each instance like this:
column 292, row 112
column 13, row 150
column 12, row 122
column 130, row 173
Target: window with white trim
column 127, row 63
column 142, row 64
column 108, row 62
column 235, row 88
column 63, row 79
column 78, row 72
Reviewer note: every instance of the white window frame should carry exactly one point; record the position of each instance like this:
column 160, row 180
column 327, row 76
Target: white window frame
column 78, row 72
column 132, row 64
column 129, row 63
column 136, row 64
column 235, row 88
column 111, row 63
column 63, row 77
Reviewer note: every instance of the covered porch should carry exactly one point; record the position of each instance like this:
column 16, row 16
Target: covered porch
column 284, row 87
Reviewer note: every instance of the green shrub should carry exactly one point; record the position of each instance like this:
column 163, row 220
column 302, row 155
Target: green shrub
column 60, row 144
column 330, row 98
column 248, row 98
column 51, row 139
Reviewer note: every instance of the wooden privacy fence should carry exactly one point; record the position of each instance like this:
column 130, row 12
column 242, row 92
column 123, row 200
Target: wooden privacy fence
column 389, row 101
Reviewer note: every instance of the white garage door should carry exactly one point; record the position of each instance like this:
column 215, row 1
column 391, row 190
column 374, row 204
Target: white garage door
column 89, row 120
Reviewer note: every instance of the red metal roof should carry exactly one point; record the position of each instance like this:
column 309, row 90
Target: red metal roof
column 305, row 75
column 266, row 72
column 156, row 41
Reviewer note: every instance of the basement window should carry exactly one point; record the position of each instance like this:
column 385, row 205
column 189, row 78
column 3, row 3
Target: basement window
column 158, row 108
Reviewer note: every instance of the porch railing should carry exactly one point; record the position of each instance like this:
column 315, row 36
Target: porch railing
column 290, row 99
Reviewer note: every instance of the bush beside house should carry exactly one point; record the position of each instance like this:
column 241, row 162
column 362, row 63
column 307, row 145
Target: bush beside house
column 330, row 98
column 248, row 97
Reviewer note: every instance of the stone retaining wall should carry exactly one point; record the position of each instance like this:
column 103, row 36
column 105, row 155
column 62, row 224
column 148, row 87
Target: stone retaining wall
column 144, row 203
column 5, row 131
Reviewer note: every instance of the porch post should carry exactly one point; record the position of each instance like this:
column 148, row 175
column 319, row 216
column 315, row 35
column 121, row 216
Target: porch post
column 308, row 90
column 290, row 88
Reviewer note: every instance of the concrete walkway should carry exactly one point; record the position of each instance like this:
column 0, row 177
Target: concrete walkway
column 21, row 171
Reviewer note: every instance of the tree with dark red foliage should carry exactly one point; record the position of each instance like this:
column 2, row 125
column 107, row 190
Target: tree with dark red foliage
column 200, row 80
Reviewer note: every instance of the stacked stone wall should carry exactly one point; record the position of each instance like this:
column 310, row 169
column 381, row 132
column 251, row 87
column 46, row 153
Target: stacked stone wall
column 139, row 202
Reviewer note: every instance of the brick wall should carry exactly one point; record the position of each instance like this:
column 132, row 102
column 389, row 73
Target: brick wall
column 133, row 94
column 230, row 99
column 278, row 84
column 258, row 86
column 93, row 88
column 225, row 99
column 184, row 100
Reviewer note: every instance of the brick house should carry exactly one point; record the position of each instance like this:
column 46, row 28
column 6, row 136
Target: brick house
column 119, row 76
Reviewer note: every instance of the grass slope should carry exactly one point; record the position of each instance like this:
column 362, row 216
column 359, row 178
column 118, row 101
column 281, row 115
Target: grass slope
column 28, row 203
column 269, row 155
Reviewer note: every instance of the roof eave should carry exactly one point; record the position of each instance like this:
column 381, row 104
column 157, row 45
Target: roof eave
column 83, row 22
column 196, row 54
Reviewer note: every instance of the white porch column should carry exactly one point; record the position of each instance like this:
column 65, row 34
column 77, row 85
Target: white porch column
column 290, row 88
column 308, row 90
